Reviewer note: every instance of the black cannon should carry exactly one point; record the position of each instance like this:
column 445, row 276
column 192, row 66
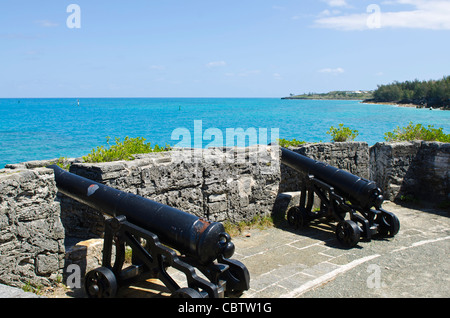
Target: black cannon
column 339, row 192
column 160, row 237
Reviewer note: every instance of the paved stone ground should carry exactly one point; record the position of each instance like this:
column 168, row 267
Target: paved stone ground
column 310, row 263
column 288, row 263
column 12, row 292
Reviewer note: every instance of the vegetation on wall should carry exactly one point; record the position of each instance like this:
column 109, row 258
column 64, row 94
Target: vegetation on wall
column 342, row 133
column 287, row 143
column 417, row 132
column 122, row 150
column 409, row 133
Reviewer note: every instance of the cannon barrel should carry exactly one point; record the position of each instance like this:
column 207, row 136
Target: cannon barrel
column 189, row 234
column 364, row 192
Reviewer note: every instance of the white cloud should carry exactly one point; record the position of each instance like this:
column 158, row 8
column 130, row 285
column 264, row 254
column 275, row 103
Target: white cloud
column 249, row 73
column 431, row 15
column 335, row 71
column 157, row 67
column 46, row 23
column 327, row 13
column 244, row 73
column 216, row 64
column 336, row 3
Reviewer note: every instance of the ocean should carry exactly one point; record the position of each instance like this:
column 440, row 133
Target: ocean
column 35, row 129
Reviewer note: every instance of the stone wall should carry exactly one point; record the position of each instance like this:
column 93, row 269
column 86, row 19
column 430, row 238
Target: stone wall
column 350, row 156
column 31, row 232
column 418, row 170
column 415, row 170
column 218, row 184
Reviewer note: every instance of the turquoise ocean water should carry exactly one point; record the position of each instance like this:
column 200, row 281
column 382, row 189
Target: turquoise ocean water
column 34, row 129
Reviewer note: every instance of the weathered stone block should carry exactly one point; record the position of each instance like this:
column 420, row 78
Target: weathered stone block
column 419, row 169
column 31, row 232
column 203, row 182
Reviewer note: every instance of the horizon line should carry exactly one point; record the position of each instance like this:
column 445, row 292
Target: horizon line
column 134, row 97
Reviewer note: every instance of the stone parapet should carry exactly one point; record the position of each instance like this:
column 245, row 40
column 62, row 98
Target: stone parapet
column 412, row 170
column 31, row 232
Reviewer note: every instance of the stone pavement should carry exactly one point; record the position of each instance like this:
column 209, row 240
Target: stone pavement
column 291, row 263
column 288, row 263
column 13, row 292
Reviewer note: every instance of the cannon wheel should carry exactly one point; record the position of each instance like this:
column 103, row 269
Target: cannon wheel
column 298, row 217
column 186, row 293
column 388, row 224
column 348, row 233
column 100, row 283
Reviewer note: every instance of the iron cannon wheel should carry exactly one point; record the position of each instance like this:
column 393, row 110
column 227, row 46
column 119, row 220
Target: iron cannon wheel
column 100, row 283
column 388, row 224
column 292, row 216
column 297, row 217
column 348, row 233
column 186, row 292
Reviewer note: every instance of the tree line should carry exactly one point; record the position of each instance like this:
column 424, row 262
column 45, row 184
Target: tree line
column 432, row 93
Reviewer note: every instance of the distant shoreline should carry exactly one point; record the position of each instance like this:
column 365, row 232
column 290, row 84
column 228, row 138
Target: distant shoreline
column 369, row 102
column 333, row 95
column 411, row 105
column 303, row 98
column 389, row 103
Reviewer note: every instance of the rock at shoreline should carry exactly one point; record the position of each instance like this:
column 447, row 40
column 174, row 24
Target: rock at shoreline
column 420, row 103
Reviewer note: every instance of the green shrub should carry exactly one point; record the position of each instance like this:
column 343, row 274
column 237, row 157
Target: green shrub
column 286, row 143
column 417, row 132
column 342, row 133
column 63, row 163
column 122, row 150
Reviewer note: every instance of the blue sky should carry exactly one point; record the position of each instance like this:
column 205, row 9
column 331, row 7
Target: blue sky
column 199, row 48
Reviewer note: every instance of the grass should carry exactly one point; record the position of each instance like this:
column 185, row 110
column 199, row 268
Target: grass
column 286, row 143
column 32, row 288
column 122, row 150
column 257, row 222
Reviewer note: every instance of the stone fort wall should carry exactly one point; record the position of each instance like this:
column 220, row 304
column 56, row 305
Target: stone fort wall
column 219, row 184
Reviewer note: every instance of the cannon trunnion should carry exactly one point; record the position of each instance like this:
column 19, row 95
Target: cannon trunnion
column 339, row 192
column 160, row 237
